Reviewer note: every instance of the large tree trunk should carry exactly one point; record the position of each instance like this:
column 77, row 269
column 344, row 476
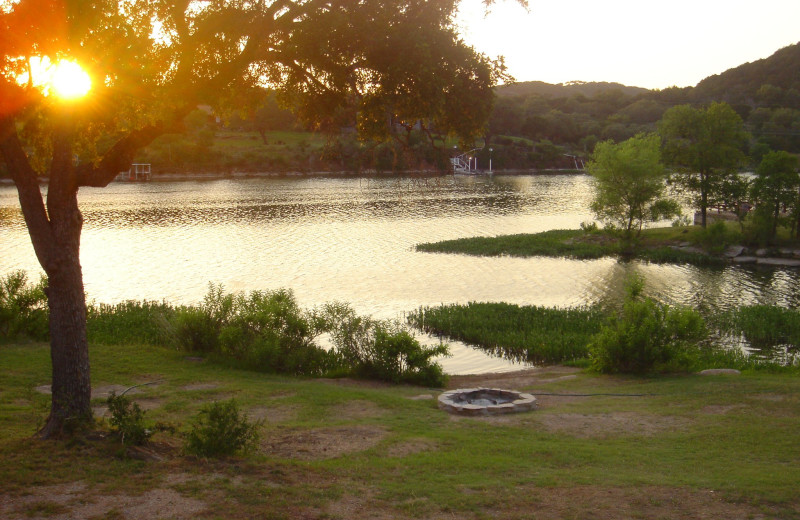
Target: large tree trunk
column 69, row 350
column 55, row 232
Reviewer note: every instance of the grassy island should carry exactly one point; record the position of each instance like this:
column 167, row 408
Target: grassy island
column 682, row 244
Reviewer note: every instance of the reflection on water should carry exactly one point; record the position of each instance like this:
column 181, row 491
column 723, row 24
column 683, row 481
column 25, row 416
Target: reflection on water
column 352, row 240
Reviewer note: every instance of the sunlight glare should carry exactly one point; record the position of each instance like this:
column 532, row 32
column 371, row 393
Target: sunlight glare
column 70, row 81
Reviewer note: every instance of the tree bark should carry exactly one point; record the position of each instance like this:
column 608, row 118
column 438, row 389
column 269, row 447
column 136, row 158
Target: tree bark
column 69, row 349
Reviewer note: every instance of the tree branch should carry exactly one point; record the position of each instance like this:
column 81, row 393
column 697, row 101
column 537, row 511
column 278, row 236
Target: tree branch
column 30, row 197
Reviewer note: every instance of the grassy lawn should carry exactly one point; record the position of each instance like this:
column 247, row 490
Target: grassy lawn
column 692, row 447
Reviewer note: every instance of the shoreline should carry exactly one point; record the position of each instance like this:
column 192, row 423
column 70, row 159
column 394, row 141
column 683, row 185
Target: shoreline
column 212, row 176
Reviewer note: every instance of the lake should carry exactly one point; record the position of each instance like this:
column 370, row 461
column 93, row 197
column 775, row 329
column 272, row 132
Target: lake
column 352, row 240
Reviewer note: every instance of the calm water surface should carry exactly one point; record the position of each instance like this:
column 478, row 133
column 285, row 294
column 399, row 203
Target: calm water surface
column 353, row 240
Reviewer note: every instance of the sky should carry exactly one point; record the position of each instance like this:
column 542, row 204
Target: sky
column 644, row 43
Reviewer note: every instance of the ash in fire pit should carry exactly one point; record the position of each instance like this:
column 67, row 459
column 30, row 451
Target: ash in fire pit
column 485, row 401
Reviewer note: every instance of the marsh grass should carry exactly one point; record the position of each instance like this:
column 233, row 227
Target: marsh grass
column 527, row 333
column 654, row 245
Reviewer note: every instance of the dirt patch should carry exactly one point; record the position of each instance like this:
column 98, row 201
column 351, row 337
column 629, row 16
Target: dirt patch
column 611, row 503
column 720, row 409
column 769, row 397
column 410, row 447
column 98, row 392
column 514, row 380
column 358, row 507
column 144, row 404
column 608, row 424
column 324, row 443
column 77, row 501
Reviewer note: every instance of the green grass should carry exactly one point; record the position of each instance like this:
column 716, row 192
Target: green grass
column 654, row 245
column 735, row 436
column 558, row 242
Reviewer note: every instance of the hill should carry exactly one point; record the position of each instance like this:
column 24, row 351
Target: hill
column 772, row 81
column 564, row 90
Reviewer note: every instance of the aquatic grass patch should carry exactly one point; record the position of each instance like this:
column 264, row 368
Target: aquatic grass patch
column 654, row 245
column 523, row 333
column 558, row 242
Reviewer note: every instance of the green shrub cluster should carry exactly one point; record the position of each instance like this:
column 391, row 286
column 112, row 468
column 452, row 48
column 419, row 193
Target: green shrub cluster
column 23, row 308
column 647, row 336
column 262, row 330
column 127, row 420
column 382, row 350
column 221, row 429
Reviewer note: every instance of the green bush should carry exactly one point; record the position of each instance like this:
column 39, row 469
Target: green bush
column 127, row 419
column 647, row 337
column 382, row 350
column 23, row 308
column 221, row 429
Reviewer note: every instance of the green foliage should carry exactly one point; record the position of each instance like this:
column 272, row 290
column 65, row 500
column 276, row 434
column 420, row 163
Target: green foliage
column 629, row 183
column 382, row 350
column 221, row 429
column 264, row 331
column 134, row 322
column 23, row 308
column 774, row 188
column 705, row 146
column 647, row 336
column 716, row 237
column 528, row 333
column 763, row 326
column 127, row 419
column 556, row 242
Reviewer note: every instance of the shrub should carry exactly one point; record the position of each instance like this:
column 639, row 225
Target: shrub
column 128, row 420
column 221, row 429
column 382, row 350
column 647, row 337
column 23, row 308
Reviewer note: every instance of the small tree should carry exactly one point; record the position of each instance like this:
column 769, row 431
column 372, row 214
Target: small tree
column 630, row 183
column 775, row 186
column 705, row 147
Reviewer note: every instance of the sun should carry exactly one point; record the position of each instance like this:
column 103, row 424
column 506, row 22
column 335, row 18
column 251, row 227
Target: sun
column 69, row 80
column 65, row 79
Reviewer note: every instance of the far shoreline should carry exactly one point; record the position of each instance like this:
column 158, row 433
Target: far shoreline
column 212, row 176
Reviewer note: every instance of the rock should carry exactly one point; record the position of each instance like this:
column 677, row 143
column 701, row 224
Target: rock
column 745, row 260
column 783, row 262
column 761, row 252
column 733, row 251
column 719, row 372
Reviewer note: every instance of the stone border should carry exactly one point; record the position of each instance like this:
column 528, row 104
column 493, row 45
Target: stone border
column 521, row 402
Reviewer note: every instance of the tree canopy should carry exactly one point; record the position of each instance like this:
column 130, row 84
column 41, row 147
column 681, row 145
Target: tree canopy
column 394, row 63
column 630, row 183
column 705, row 146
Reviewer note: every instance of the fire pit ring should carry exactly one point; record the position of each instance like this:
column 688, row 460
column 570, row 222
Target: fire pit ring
column 485, row 401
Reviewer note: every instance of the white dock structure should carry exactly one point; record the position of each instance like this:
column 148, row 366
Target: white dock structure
column 137, row 172
column 467, row 163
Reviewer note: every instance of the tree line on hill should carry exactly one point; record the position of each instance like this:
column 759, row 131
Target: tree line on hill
column 533, row 125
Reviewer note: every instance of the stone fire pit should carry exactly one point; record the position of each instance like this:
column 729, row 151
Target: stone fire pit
column 485, row 401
